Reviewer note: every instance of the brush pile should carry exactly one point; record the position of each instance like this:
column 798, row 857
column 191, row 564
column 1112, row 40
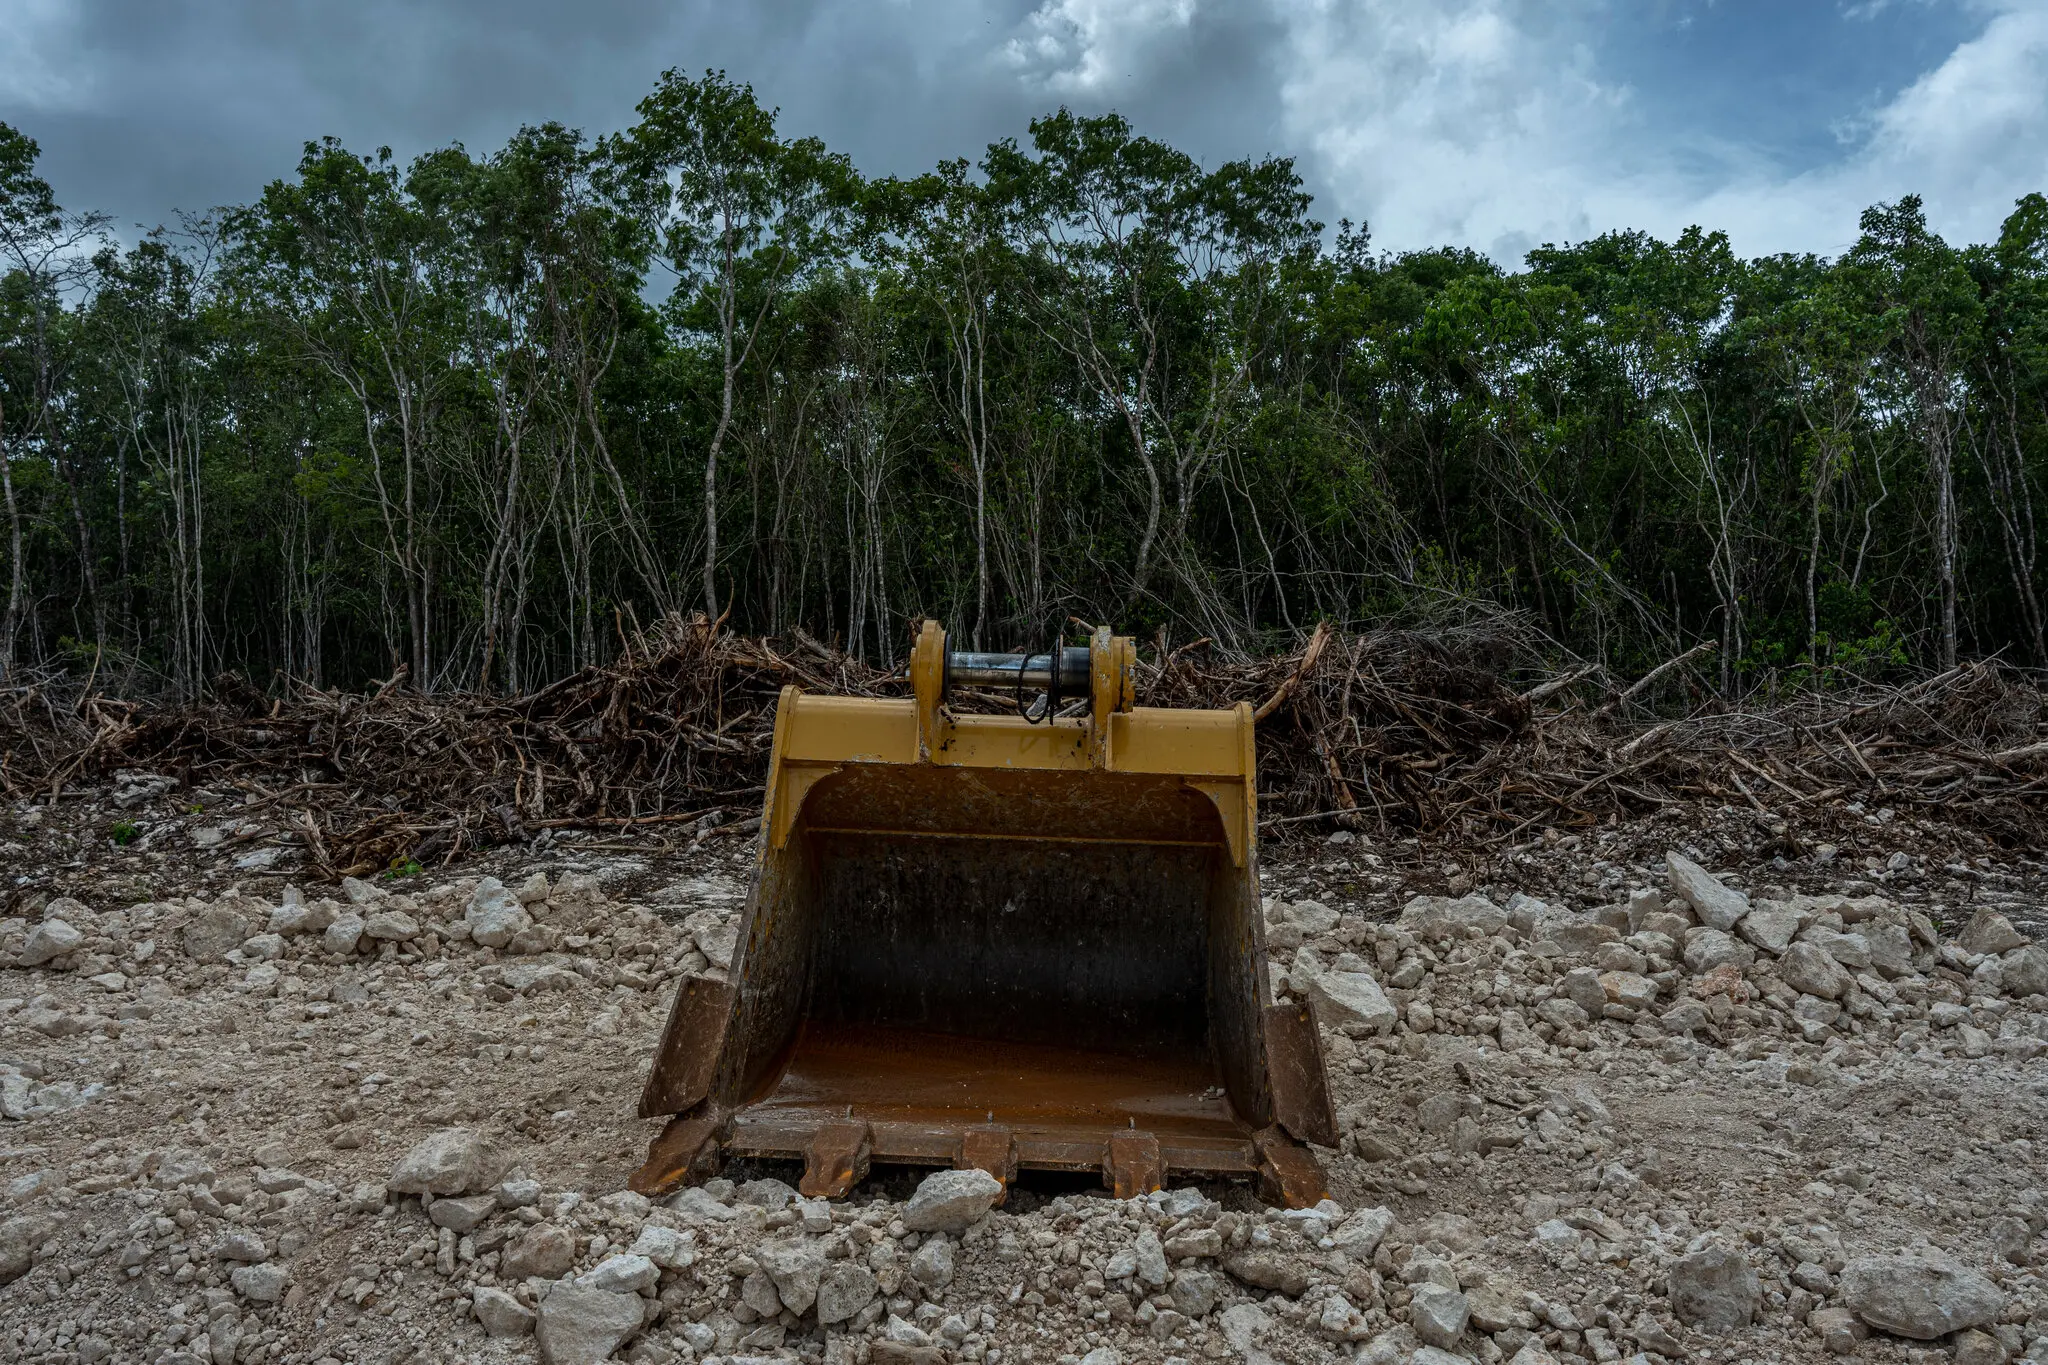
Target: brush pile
column 1390, row 732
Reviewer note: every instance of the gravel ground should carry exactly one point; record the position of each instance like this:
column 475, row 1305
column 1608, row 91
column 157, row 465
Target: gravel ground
column 253, row 1118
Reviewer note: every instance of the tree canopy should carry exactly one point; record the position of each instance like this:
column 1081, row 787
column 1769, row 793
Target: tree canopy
column 481, row 416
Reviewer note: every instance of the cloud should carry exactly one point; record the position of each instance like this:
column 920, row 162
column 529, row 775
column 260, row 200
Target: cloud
column 1497, row 124
column 1491, row 124
column 33, row 41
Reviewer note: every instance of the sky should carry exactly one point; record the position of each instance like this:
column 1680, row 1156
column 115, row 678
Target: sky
column 1492, row 124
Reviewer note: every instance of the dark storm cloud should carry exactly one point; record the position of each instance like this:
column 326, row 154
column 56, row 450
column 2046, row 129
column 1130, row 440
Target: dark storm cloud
column 143, row 108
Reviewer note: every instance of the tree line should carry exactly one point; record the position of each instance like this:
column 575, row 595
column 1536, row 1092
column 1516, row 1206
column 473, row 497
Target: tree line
column 481, row 418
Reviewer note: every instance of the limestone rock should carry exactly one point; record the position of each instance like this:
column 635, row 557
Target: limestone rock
column 1360, row 1235
column 1715, row 1289
column 1812, row 970
column 951, row 1201
column 582, row 1326
column 494, row 915
column 933, row 1264
column 1706, row 949
column 500, row 1313
column 1718, row 906
column 462, row 1215
column 392, row 926
column 797, row 1266
column 1436, row 915
column 342, row 934
column 626, row 1274
column 51, row 939
column 1922, row 1296
column 1581, row 986
column 215, row 932
column 543, row 1251
column 1438, row 1315
column 2025, row 971
column 1990, row 932
column 452, row 1161
column 844, row 1289
column 1352, row 1001
column 1265, row 1269
column 1196, row 1293
column 19, row 1239
column 262, row 1283
column 1770, row 925
column 666, row 1247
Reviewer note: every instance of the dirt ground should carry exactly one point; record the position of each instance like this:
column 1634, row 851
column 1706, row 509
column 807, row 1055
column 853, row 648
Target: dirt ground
column 1599, row 1128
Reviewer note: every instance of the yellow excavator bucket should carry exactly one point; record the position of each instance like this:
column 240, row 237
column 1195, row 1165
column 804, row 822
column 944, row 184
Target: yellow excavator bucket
column 1005, row 942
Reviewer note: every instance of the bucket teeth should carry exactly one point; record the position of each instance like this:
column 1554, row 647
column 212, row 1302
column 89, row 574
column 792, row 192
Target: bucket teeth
column 836, row 1159
column 991, row 1148
column 685, row 1153
column 1133, row 1166
column 1289, row 1174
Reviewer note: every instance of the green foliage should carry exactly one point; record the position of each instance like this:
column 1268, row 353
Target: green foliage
column 123, row 832
column 480, row 417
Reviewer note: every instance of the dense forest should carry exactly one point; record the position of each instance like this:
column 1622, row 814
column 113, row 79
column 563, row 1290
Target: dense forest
column 482, row 418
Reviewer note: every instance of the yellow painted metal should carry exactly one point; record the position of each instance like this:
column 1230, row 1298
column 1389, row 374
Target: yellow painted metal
column 1212, row 751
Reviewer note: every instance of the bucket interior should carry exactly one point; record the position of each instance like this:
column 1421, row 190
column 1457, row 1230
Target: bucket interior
column 950, row 947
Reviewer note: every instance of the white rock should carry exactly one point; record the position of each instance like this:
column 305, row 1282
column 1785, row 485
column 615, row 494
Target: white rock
column 669, row 1248
column 626, row 1274
column 1714, row 1289
column 1922, row 1296
column 951, row 1201
column 583, row 1326
column 392, row 926
column 844, row 1289
column 1352, row 1001
column 1438, row 1315
column 500, row 1313
column 462, row 1215
column 1770, row 925
column 264, row 948
column 697, row 1205
column 796, row 1266
column 214, row 932
column 1315, row 918
column 51, row 938
column 1812, row 970
column 452, row 1161
column 933, row 1264
column 1434, row 915
column 263, row 1283
column 341, row 937
column 1990, row 932
column 1360, row 1235
column 1151, row 1258
column 1718, row 906
column 494, row 915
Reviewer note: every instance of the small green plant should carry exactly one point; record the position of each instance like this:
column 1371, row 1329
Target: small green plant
column 124, row 832
column 406, row 867
column 196, row 808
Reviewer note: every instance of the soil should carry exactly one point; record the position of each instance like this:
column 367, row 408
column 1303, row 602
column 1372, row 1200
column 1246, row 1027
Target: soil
column 196, row 1101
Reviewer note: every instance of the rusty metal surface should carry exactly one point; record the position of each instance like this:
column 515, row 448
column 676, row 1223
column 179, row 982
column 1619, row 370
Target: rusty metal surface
column 1132, row 1164
column 1289, row 1174
column 836, row 1159
column 1301, row 1088
column 990, row 1147
column 686, row 1152
column 686, row 1066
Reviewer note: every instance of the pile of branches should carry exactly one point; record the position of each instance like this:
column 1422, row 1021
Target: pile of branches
column 1441, row 744
column 675, row 733
column 1394, row 732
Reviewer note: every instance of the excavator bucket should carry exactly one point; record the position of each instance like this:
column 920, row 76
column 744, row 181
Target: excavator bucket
column 984, row 941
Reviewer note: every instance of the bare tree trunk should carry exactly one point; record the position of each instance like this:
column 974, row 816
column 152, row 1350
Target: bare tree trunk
column 10, row 626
